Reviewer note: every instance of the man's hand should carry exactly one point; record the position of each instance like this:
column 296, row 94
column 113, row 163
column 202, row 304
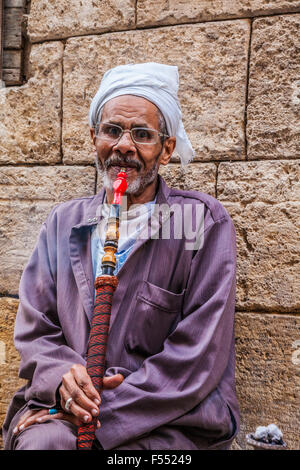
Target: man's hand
column 76, row 384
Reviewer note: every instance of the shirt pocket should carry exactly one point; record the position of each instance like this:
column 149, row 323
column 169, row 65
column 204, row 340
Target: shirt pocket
column 154, row 317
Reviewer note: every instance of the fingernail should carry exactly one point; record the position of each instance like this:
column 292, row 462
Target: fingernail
column 97, row 401
column 86, row 418
column 21, row 427
column 15, row 430
column 39, row 420
column 94, row 412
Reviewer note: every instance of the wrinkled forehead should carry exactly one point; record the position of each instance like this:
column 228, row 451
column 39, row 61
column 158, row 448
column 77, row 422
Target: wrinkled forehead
column 129, row 108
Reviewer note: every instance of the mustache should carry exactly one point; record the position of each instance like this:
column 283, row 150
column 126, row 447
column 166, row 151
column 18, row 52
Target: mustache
column 116, row 160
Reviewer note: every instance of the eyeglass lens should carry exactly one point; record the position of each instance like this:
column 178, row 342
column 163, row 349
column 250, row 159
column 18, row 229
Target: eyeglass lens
column 139, row 135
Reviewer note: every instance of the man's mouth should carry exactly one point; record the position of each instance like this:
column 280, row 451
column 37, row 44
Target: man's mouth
column 116, row 164
column 127, row 168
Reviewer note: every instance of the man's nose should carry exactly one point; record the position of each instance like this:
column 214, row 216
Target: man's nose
column 125, row 143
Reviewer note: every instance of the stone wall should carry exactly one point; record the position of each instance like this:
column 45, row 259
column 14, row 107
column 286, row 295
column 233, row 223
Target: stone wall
column 240, row 92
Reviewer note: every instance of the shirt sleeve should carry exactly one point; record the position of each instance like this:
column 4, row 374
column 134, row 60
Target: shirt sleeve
column 195, row 355
column 45, row 356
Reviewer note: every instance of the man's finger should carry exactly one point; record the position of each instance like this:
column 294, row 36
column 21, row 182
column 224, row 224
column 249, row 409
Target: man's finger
column 80, row 405
column 85, row 383
column 65, row 417
column 24, row 417
column 80, row 386
column 84, row 409
column 60, row 415
column 113, row 381
column 29, row 418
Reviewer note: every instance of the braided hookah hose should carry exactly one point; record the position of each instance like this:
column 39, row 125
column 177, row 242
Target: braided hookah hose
column 105, row 286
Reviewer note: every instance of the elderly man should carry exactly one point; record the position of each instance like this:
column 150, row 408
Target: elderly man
column 170, row 359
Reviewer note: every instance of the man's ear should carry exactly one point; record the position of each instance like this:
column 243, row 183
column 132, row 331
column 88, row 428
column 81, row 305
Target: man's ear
column 93, row 137
column 169, row 147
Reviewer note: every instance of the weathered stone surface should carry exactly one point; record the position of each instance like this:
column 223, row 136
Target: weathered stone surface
column 273, row 129
column 268, row 245
column 151, row 12
column 30, row 115
column 268, row 374
column 269, row 182
column 196, row 177
column 26, row 197
column 212, row 61
column 263, row 200
column 52, row 183
column 9, row 357
column 60, row 19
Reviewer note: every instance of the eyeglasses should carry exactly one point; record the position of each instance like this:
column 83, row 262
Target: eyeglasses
column 140, row 135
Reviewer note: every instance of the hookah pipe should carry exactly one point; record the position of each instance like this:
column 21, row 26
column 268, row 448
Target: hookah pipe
column 105, row 286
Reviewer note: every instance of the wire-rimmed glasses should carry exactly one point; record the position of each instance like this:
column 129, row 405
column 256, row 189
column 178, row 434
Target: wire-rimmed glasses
column 139, row 135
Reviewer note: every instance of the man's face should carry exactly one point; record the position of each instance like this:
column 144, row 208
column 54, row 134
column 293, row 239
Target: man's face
column 140, row 161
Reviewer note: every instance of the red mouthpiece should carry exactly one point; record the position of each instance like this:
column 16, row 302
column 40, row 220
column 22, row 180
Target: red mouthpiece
column 120, row 186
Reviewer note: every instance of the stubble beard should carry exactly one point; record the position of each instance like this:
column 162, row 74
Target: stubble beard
column 135, row 187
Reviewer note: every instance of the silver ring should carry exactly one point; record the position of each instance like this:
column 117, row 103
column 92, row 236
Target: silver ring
column 68, row 404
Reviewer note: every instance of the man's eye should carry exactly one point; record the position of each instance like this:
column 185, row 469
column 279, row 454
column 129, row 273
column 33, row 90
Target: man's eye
column 142, row 134
column 111, row 131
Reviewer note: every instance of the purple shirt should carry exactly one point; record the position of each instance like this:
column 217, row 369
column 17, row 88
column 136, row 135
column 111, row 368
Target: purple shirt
column 171, row 332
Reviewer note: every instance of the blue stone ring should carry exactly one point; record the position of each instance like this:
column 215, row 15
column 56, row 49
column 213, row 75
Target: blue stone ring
column 53, row 411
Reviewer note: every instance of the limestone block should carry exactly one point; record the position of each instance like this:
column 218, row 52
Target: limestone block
column 30, row 115
column 9, row 356
column 268, row 246
column 262, row 198
column 60, row 19
column 273, row 129
column 265, row 181
column 26, row 197
column 52, row 183
column 268, row 374
column 212, row 62
column 151, row 12
column 193, row 177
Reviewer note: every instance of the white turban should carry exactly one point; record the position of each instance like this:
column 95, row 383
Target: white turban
column 157, row 83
